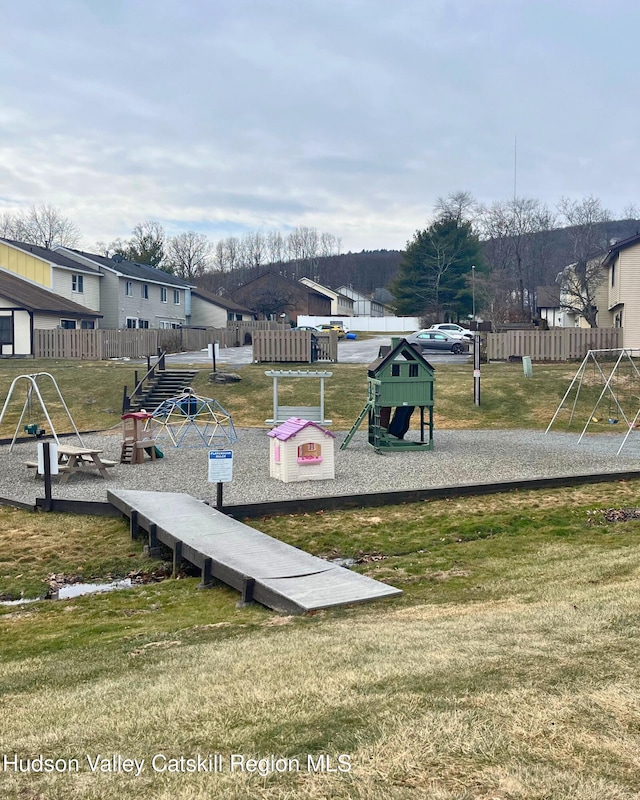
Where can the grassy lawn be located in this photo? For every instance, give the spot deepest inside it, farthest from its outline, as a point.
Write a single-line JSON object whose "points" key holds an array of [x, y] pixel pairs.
{"points": [[508, 669], [93, 393]]}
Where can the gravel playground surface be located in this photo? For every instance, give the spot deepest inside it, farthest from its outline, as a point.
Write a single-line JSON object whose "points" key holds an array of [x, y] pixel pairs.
{"points": [[459, 457]]}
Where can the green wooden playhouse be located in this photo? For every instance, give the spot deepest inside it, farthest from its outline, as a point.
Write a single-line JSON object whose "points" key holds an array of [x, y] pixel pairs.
{"points": [[399, 381]]}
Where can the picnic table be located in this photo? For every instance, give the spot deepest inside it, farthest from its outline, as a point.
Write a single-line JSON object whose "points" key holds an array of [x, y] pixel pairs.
{"points": [[78, 459]]}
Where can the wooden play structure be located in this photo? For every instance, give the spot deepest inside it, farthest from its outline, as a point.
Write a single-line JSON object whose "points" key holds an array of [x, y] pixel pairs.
{"points": [[136, 441], [283, 413], [401, 379], [33, 391], [301, 450]]}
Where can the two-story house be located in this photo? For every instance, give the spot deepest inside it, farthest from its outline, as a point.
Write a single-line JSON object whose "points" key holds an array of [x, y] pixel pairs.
{"points": [[136, 295], [209, 310], [622, 267], [57, 273]]}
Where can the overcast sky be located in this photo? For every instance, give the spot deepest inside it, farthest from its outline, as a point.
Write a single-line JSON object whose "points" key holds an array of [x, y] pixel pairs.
{"points": [[351, 116]]}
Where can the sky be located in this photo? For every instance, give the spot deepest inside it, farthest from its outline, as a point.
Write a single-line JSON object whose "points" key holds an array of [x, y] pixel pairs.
{"points": [[350, 116]]}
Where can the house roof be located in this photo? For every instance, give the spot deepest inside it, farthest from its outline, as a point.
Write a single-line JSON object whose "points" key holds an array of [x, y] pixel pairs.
{"points": [[276, 275], [218, 300], [34, 298], [548, 297], [388, 353], [326, 290], [52, 256], [132, 269], [293, 426], [618, 246]]}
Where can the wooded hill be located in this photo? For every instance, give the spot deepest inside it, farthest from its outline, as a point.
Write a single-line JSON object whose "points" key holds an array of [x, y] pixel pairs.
{"points": [[546, 253]]}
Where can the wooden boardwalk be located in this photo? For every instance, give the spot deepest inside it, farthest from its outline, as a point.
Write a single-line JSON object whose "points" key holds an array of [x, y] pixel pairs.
{"points": [[263, 569]]}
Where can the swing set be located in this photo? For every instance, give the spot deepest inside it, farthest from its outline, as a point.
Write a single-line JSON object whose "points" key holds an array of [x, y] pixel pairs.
{"points": [[35, 429], [616, 374]]}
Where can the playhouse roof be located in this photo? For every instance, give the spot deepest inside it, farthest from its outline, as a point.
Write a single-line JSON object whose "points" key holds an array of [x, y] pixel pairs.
{"points": [[388, 353], [293, 426]]}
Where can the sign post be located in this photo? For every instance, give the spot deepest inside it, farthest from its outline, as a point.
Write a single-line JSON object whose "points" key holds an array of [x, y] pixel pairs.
{"points": [[220, 471], [476, 369], [47, 466]]}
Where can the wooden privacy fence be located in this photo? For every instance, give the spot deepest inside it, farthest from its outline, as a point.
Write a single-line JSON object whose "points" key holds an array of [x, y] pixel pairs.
{"points": [[103, 343], [558, 344], [294, 346]]}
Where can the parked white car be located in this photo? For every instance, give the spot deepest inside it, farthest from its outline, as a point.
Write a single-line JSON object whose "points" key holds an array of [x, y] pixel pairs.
{"points": [[457, 331]]}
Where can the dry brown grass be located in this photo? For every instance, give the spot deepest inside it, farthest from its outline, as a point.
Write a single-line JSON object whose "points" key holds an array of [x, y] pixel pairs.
{"points": [[510, 699]]}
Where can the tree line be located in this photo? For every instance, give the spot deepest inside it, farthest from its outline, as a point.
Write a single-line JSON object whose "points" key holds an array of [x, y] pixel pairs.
{"points": [[489, 260]]}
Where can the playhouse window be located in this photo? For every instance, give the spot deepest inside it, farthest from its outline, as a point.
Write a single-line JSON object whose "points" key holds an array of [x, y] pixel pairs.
{"points": [[310, 453], [395, 370], [276, 453], [413, 370]]}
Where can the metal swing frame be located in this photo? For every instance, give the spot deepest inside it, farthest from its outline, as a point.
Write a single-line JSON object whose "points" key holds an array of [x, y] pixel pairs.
{"points": [[34, 389]]}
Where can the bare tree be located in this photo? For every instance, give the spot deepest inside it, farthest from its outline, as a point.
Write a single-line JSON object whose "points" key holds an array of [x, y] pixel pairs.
{"points": [[459, 205], [189, 254], [586, 226], [44, 226]]}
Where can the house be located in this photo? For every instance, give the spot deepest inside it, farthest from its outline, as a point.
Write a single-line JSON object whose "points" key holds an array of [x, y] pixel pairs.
{"points": [[363, 305], [622, 281], [301, 450], [341, 305], [548, 306], [53, 271], [272, 295], [209, 310], [136, 295], [26, 306]]}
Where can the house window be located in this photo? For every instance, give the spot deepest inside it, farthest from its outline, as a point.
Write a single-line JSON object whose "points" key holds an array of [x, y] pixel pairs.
{"points": [[176, 297], [613, 274], [143, 323], [144, 289], [163, 294], [68, 324], [310, 453], [87, 324], [77, 283], [173, 325], [6, 330], [132, 322], [128, 288]]}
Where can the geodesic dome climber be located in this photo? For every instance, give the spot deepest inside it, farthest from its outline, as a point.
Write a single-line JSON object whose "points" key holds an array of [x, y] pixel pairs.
{"points": [[189, 420]]}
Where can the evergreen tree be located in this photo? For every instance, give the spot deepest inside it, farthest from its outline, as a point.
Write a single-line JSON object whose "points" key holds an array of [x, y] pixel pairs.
{"points": [[434, 276]]}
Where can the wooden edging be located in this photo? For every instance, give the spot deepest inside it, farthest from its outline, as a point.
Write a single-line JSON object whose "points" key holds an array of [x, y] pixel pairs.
{"points": [[348, 501]]}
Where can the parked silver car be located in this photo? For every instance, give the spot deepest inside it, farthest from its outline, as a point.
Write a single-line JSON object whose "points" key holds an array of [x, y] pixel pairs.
{"points": [[429, 339]]}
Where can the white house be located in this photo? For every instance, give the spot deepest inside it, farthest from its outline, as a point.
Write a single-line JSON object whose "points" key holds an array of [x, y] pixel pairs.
{"points": [[363, 306], [211, 310]]}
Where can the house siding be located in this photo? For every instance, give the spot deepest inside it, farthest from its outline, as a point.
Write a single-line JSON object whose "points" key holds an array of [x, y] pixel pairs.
{"points": [[111, 302], [63, 285], [629, 274], [25, 265], [207, 315]]}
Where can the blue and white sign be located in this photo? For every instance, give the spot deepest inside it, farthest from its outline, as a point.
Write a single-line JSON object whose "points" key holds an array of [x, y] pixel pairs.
{"points": [[220, 466]]}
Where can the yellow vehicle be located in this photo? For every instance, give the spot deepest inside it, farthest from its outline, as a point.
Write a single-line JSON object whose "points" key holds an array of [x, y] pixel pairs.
{"points": [[338, 328]]}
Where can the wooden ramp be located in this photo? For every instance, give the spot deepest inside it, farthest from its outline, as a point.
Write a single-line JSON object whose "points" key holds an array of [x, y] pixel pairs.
{"points": [[264, 569]]}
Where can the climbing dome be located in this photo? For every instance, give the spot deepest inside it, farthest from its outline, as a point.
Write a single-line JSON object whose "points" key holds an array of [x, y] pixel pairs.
{"points": [[192, 421]]}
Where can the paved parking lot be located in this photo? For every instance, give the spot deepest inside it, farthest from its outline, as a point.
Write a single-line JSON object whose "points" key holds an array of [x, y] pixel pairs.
{"points": [[350, 351]]}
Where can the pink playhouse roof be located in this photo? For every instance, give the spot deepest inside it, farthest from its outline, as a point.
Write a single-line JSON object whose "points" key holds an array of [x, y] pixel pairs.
{"points": [[293, 426]]}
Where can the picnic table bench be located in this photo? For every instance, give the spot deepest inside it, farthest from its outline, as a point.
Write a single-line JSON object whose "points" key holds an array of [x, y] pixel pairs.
{"points": [[77, 459]]}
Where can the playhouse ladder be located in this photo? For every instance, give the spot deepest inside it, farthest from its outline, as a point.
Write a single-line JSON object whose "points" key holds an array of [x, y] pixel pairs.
{"points": [[356, 424]]}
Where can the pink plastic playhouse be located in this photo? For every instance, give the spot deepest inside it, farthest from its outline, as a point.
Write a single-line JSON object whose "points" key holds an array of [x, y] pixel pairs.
{"points": [[301, 450]]}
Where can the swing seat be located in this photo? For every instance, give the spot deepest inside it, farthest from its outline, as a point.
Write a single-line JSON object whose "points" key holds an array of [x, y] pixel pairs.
{"points": [[33, 429]]}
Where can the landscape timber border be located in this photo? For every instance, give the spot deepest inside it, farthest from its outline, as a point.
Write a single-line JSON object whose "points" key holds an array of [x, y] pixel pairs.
{"points": [[350, 501]]}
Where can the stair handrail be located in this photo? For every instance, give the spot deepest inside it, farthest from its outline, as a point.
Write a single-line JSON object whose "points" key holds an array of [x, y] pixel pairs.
{"points": [[150, 374]]}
